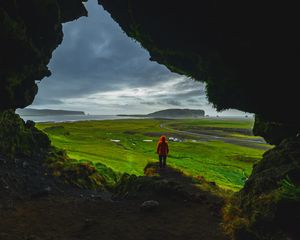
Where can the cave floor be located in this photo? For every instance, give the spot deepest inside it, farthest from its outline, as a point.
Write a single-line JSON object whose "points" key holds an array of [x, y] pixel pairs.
{"points": [[28, 212], [82, 218]]}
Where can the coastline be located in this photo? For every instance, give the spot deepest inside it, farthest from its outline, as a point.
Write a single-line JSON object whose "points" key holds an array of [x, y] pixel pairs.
{"points": [[76, 118], [72, 118]]}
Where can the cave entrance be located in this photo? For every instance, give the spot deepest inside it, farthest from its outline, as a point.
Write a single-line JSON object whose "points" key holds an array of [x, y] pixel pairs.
{"points": [[98, 70]]}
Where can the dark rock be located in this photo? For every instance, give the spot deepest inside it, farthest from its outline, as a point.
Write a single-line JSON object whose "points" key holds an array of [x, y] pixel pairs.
{"points": [[30, 124], [201, 198], [18, 139], [32, 237], [227, 48], [177, 113], [29, 32], [149, 205], [222, 44], [41, 193], [212, 184], [272, 208], [25, 164], [87, 221], [274, 132]]}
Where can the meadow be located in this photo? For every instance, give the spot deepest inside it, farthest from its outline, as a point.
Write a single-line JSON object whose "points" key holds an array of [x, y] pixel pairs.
{"points": [[220, 150]]}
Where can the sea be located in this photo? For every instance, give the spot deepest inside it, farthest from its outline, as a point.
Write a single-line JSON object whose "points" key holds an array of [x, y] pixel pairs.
{"points": [[72, 118]]}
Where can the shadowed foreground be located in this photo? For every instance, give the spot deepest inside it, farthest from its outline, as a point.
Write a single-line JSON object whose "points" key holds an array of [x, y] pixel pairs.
{"points": [[74, 213]]}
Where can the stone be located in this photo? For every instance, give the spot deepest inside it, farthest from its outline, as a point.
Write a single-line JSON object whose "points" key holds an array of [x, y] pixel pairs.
{"points": [[149, 205], [263, 200], [30, 124], [25, 164]]}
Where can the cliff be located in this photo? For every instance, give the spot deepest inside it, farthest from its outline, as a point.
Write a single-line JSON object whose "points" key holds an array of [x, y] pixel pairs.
{"points": [[177, 113], [170, 113], [45, 112]]}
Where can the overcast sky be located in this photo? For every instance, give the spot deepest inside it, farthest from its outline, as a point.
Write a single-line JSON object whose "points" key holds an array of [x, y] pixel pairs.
{"points": [[99, 70]]}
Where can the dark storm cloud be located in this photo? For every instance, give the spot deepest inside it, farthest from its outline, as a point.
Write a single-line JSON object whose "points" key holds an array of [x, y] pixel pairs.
{"points": [[96, 56], [42, 101], [172, 102], [98, 69], [149, 103]]}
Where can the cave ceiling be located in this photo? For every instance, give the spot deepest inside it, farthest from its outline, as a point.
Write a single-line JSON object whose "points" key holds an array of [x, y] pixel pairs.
{"points": [[246, 52]]}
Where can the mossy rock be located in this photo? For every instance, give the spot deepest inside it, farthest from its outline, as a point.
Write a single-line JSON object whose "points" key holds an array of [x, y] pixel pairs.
{"points": [[18, 138], [270, 200]]}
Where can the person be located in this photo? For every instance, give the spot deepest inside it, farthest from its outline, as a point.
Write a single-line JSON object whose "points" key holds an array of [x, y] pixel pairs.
{"points": [[162, 150]]}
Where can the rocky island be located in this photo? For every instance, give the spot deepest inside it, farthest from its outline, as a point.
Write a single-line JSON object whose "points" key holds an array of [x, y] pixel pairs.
{"points": [[171, 113]]}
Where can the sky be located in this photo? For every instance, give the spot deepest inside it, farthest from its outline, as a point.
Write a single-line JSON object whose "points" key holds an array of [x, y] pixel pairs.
{"points": [[98, 69]]}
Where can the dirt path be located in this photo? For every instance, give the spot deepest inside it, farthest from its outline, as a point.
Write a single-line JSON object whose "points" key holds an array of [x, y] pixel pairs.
{"points": [[253, 143]]}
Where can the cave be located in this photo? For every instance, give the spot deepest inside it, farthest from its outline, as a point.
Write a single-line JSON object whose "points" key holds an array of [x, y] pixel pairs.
{"points": [[246, 53]]}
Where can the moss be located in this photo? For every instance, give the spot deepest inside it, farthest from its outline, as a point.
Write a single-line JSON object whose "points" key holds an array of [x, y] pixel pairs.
{"points": [[268, 206], [20, 139], [289, 190], [83, 174]]}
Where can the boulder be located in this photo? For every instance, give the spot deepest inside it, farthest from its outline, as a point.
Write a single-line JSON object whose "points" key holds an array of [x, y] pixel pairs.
{"points": [[270, 199], [149, 205], [20, 139]]}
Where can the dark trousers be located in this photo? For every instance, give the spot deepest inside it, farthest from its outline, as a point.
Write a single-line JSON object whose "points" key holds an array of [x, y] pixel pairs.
{"points": [[162, 160]]}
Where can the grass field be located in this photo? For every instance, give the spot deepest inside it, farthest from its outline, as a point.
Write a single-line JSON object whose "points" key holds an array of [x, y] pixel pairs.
{"points": [[128, 145]]}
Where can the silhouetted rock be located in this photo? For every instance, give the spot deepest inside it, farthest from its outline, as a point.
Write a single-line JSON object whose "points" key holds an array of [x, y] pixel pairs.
{"points": [[149, 205], [271, 196], [29, 32], [177, 113], [274, 132], [20, 139]]}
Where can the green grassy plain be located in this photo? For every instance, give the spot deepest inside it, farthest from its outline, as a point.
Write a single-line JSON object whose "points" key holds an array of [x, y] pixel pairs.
{"points": [[225, 163]]}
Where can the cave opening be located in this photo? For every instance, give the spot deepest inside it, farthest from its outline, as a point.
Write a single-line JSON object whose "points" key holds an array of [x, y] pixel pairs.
{"points": [[100, 70], [99, 73], [215, 164]]}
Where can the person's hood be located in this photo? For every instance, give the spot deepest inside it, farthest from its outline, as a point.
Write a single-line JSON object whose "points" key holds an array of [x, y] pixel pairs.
{"points": [[162, 138]]}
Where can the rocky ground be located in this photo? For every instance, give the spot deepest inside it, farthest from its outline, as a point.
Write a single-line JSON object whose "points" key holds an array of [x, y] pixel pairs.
{"points": [[35, 205]]}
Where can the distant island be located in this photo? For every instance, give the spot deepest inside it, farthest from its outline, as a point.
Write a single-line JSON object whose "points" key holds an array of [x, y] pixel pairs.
{"points": [[170, 113], [46, 112]]}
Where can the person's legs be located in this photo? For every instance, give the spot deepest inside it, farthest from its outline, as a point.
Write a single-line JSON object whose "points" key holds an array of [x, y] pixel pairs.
{"points": [[164, 161], [160, 157]]}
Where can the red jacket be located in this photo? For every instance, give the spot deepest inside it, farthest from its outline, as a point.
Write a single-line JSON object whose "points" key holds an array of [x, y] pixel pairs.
{"points": [[162, 146]]}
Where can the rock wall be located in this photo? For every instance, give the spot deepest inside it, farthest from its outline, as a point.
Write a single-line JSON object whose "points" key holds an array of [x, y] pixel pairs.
{"points": [[29, 32], [244, 51], [270, 199], [20, 139]]}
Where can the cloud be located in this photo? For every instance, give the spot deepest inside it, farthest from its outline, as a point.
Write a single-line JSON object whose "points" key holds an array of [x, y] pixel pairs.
{"points": [[42, 101], [98, 69], [172, 102]]}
